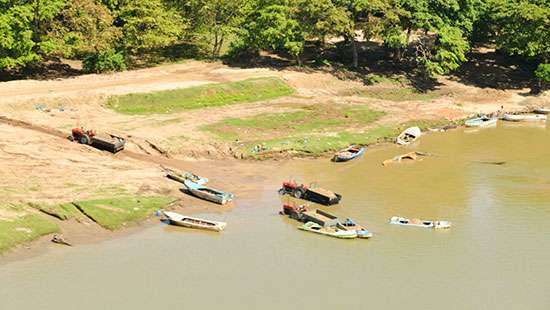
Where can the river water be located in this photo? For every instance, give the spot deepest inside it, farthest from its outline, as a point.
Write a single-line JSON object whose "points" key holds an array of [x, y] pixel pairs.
{"points": [[496, 256]]}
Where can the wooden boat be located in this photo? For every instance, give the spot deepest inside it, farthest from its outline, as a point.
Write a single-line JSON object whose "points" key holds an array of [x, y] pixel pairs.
{"points": [[396, 220], [181, 177], [523, 117], [350, 225], [542, 110], [193, 222], [349, 153], [482, 121], [400, 158], [409, 135], [208, 193], [332, 231]]}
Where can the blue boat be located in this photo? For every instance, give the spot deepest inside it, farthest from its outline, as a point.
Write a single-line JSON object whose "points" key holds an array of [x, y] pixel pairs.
{"points": [[208, 193], [349, 153], [482, 121]]}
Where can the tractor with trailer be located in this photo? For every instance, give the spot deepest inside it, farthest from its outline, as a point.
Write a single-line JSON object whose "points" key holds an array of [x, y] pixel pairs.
{"points": [[106, 142]]}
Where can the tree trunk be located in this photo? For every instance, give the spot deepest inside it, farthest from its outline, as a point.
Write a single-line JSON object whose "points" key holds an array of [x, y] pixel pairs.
{"points": [[220, 45], [355, 62], [215, 47]]}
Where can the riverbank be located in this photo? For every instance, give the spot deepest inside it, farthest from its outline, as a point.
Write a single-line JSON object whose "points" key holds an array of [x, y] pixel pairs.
{"points": [[212, 113]]}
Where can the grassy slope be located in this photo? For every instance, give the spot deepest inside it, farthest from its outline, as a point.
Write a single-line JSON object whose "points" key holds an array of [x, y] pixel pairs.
{"points": [[24, 229], [115, 213], [211, 95], [315, 129]]}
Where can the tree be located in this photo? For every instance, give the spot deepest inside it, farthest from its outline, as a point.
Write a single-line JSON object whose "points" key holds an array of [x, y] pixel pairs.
{"points": [[148, 24], [84, 27]]}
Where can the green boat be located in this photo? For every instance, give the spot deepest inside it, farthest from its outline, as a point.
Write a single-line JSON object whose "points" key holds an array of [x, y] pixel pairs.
{"points": [[332, 231]]}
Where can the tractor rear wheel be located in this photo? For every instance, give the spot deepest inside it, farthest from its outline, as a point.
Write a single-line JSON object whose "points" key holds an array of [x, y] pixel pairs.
{"points": [[84, 139], [298, 193]]}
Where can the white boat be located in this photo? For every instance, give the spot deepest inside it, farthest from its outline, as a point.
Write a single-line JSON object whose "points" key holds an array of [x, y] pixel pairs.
{"points": [[409, 135], [193, 222], [542, 110], [331, 231], [482, 121], [523, 117], [397, 220]]}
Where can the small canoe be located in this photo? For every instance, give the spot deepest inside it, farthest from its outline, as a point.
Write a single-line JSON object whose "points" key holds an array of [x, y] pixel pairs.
{"points": [[350, 225], [193, 222], [349, 153], [409, 135], [542, 110], [483, 121], [396, 220], [332, 231], [208, 193], [523, 117]]}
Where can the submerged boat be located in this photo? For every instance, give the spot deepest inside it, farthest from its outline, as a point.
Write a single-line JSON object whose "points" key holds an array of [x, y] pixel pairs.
{"points": [[331, 231], [397, 220], [349, 153], [193, 222], [208, 193], [524, 117], [409, 135], [542, 110], [399, 158], [482, 121]]}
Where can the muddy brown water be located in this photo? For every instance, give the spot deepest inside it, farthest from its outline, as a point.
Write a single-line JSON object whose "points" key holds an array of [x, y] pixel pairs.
{"points": [[496, 256]]}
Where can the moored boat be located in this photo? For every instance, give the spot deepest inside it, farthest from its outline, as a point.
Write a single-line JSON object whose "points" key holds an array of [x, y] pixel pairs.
{"points": [[482, 121], [193, 222], [331, 231], [350, 225], [409, 135], [524, 117], [208, 193], [397, 220], [349, 153], [542, 110]]}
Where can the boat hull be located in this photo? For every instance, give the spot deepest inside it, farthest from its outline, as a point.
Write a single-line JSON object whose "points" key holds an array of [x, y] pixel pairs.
{"points": [[207, 193], [524, 117], [195, 223], [481, 122], [341, 157], [340, 234]]}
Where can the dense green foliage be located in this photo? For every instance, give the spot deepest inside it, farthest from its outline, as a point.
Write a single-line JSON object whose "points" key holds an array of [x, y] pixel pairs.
{"points": [[433, 35]]}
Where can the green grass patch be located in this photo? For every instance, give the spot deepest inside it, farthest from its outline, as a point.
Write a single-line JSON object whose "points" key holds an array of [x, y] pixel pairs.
{"points": [[310, 120], [398, 94], [24, 229], [211, 95], [63, 212], [114, 213]]}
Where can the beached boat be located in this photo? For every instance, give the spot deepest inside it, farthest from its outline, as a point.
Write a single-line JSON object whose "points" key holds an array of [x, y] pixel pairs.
{"points": [[181, 177], [332, 231], [208, 193], [193, 222], [350, 225], [349, 153], [524, 117], [482, 121], [542, 110], [397, 220], [409, 135]]}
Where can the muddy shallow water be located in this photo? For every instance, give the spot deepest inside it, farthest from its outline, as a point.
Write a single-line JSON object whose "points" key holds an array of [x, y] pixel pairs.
{"points": [[495, 256]]}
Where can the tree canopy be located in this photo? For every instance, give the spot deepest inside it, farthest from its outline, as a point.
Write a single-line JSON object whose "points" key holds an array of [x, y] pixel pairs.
{"points": [[436, 35]]}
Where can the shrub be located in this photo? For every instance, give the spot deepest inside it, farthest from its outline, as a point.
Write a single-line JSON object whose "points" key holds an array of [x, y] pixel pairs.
{"points": [[104, 61], [543, 72]]}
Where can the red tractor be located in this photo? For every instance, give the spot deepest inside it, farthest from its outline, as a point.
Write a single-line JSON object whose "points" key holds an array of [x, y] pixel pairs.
{"points": [[109, 142], [311, 193]]}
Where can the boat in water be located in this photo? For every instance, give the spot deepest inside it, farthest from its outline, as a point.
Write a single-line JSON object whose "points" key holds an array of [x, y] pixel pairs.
{"points": [[193, 222], [397, 220], [482, 121], [524, 117], [542, 110], [349, 153], [409, 135], [332, 231], [350, 225], [208, 193]]}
